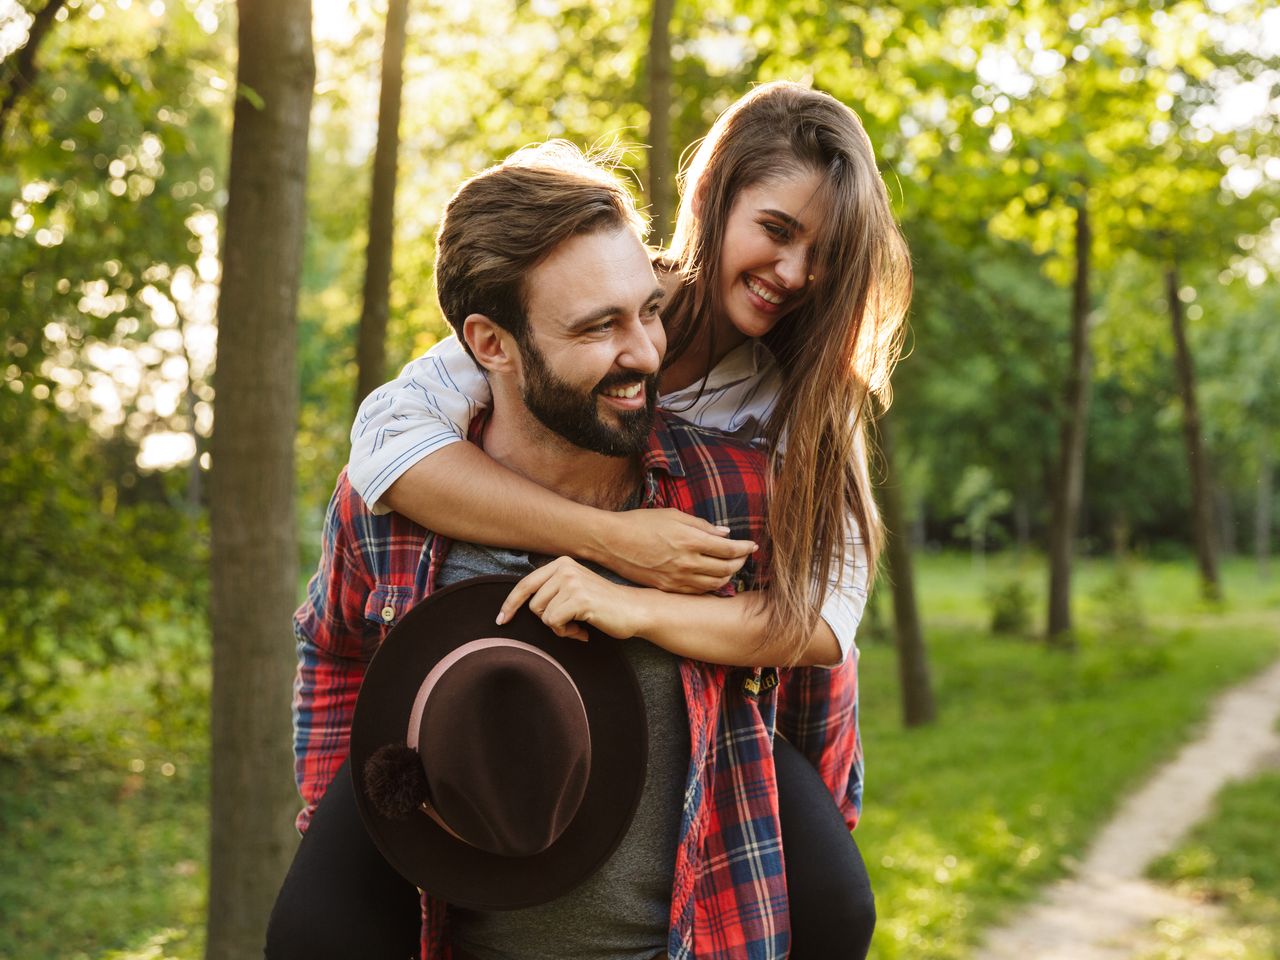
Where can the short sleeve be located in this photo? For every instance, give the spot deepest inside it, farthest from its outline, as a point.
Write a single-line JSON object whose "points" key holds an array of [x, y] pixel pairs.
{"points": [[427, 407]]}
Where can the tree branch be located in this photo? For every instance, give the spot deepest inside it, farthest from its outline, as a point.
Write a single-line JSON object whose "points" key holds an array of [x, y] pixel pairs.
{"points": [[23, 72]]}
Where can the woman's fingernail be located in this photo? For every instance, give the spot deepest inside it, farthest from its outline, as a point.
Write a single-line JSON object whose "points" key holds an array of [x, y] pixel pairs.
{"points": [[502, 618]]}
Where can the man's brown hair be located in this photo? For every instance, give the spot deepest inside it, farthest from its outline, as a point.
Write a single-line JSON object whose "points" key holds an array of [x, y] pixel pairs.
{"points": [[507, 219]]}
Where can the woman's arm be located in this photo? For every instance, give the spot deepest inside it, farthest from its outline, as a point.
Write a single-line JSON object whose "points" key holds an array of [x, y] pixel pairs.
{"points": [[405, 456], [728, 630], [465, 494]]}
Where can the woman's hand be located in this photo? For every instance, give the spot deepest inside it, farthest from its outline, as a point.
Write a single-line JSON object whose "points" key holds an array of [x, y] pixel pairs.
{"points": [[670, 550], [565, 595]]}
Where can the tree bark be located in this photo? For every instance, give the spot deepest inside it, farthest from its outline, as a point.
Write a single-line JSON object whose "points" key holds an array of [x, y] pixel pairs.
{"points": [[371, 348], [1069, 484], [254, 553], [1197, 464], [23, 72], [1262, 507], [918, 705], [661, 165]]}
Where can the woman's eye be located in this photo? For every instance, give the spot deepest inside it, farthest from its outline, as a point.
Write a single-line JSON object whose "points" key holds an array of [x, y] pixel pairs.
{"points": [[776, 231]]}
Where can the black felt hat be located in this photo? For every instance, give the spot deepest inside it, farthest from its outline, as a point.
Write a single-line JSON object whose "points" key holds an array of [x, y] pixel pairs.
{"points": [[496, 767]]}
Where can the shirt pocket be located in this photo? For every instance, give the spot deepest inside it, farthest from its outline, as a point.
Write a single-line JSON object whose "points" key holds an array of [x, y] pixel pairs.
{"points": [[386, 606]]}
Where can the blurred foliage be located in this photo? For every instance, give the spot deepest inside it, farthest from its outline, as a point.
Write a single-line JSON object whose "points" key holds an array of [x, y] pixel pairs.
{"points": [[109, 181], [1011, 603], [106, 799], [990, 120], [100, 565]]}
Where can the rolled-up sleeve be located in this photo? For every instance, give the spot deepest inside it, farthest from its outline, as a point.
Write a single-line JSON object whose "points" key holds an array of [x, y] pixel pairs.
{"points": [[335, 642]]}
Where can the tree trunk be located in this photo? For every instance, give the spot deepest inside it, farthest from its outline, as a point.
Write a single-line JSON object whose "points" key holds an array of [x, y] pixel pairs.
{"points": [[254, 553], [1197, 465], [22, 71], [918, 706], [371, 349], [1262, 507], [1069, 482], [661, 174]]}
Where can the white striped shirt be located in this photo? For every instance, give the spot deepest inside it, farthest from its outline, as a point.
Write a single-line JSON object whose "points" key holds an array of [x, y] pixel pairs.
{"points": [[432, 402]]}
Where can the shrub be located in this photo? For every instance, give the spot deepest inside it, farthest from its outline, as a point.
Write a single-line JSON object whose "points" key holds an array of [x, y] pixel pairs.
{"points": [[1011, 604]]}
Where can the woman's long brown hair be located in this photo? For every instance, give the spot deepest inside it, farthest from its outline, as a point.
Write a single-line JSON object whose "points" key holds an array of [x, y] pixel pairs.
{"points": [[836, 349]]}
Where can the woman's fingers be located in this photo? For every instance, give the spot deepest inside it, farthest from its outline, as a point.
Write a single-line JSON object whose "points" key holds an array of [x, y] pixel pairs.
{"points": [[561, 614], [555, 595], [523, 590]]}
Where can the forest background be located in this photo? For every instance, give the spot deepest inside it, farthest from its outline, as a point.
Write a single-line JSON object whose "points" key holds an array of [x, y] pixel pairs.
{"points": [[1092, 196]]}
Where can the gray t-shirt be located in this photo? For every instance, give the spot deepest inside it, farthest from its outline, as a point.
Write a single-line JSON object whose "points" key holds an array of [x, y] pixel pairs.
{"points": [[621, 912]]}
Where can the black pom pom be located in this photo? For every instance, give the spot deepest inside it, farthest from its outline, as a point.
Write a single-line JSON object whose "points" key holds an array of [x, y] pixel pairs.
{"points": [[395, 782]]}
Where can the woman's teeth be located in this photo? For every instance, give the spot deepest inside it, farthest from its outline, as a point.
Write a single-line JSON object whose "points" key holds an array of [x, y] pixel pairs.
{"points": [[624, 393], [764, 294]]}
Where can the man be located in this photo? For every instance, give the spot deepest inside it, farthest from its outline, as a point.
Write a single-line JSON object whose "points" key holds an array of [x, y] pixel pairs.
{"points": [[542, 274]]}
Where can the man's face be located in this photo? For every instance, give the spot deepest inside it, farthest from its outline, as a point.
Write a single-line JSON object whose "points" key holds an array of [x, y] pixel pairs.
{"points": [[595, 342]]}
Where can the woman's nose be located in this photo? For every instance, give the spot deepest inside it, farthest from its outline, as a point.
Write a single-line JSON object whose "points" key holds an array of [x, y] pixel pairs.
{"points": [[793, 268]]}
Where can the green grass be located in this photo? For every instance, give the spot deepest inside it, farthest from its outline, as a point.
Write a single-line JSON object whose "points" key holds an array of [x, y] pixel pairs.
{"points": [[102, 851], [105, 835], [1229, 860], [1033, 749]]}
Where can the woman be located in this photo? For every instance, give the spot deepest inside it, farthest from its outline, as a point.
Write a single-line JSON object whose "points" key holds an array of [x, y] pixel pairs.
{"points": [[789, 282]]}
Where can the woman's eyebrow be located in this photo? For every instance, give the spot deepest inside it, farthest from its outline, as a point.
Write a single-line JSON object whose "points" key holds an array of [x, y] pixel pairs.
{"points": [[786, 218]]}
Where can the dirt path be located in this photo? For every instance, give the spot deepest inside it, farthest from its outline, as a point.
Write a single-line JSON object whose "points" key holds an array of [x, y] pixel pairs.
{"points": [[1107, 910]]}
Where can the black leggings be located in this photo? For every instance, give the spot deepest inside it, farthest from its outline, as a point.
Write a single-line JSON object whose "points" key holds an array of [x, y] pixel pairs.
{"points": [[341, 899], [833, 911]]}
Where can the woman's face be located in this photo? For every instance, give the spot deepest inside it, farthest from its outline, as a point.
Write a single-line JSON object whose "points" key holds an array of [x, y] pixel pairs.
{"points": [[766, 260]]}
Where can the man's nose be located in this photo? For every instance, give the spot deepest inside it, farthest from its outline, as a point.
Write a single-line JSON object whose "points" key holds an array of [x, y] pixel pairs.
{"points": [[641, 352]]}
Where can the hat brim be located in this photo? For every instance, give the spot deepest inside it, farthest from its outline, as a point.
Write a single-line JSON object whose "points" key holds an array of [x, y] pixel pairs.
{"points": [[426, 854]]}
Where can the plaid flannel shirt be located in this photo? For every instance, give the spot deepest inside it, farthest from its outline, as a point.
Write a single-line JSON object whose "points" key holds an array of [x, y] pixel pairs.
{"points": [[728, 896]]}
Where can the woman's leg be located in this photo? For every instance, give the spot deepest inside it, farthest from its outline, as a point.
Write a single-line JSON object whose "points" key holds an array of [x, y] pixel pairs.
{"points": [[833, 911], [341, 899]]}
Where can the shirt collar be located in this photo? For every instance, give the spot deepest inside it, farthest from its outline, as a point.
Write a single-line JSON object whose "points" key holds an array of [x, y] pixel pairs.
{"points": [[663, 454], [746, 360]]}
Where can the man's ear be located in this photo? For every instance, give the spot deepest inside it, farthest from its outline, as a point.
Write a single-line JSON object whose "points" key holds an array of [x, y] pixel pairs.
{"points": [[493, 347]]}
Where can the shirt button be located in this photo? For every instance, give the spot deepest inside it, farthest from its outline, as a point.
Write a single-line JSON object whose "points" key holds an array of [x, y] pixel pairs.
{"points": [[388, 613]]}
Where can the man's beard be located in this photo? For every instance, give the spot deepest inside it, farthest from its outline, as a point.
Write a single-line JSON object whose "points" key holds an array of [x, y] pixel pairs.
{"points": [[573, 414]]}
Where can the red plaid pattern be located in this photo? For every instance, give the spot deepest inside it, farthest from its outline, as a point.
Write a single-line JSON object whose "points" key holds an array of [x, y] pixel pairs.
{"points": [[729, 894]]}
